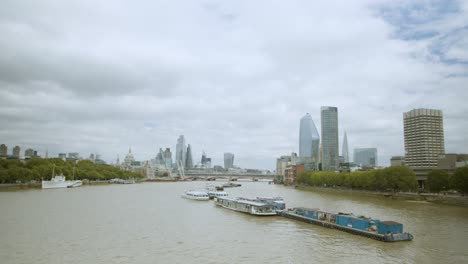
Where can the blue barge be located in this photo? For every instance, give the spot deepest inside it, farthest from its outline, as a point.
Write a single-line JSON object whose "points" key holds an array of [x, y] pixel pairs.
{"points": [[387, 231]]}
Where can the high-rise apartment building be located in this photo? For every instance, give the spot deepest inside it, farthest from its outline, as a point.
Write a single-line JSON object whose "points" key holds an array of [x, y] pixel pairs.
{"points": [[424, 138], [3, 150], [344, 150], [365, 157], [329, 121], [228, 160], [16, 152], [309, 139]]}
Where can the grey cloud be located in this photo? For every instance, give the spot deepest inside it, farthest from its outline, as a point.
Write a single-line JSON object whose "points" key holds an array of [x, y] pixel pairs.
{"points": [[230, 76]]}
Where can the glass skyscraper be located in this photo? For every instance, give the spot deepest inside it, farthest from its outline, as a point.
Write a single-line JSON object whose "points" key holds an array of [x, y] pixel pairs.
{"points": [[365, 156], [309, 139], [228, 160], [344, 150], [329, 121], [181, 151]]}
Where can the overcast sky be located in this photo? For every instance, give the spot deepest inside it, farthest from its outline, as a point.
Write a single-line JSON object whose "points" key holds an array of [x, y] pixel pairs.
{"points": [[232, 76]]}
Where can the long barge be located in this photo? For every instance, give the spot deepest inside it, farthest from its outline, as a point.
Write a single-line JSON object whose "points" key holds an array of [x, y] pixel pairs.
{"points": [[386, 231], [259, 206]]}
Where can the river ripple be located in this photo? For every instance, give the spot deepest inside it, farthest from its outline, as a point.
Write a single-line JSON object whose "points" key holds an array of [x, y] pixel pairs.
{"points": [[150, 223]]}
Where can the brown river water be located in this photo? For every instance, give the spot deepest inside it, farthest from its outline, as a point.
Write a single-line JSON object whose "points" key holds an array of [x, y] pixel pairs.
{"points": [[151, 223]]}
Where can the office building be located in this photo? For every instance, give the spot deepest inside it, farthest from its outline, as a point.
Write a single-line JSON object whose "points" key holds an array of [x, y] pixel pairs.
{"points": [[205, 161], [424, 138], [189, 160], [397, 161], [28, 153], [365, 157], [16, 152], [452, 161], [168, 158], [181, 151], [228, 160], [3, 150], [330, 148], [309, 140]]}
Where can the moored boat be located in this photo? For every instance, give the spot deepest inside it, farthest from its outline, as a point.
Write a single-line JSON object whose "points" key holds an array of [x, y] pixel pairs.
{"points": [[249, 206], [231, 184], [196, 195], [59, 181], [387, 231], [278, 202], [214, 193]]}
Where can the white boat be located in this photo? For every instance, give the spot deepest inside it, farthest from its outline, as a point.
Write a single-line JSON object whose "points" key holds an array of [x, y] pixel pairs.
{"points": [[214, 193], [59, 181], [196, 195], [248, 206]]}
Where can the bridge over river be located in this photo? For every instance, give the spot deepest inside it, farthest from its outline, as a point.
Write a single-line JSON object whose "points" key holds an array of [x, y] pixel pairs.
{"points": [[230, 175]]}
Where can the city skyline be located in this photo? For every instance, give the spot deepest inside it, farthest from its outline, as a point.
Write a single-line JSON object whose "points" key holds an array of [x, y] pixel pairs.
{"points": [[228, 76]]}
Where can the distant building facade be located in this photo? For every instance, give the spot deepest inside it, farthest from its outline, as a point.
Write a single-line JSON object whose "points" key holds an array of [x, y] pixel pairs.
{"points": [[3, 151], [292, 172], [189, 159], [181, 151], [205, 161], [365, 157], [168, 158], [344, 150], [16, 152], [330, 148], [73, 156], [397, 161], [129, 160], [283, 162], [309, 140], [424, 138], [228, 160], [29, 153], [451, 161]]}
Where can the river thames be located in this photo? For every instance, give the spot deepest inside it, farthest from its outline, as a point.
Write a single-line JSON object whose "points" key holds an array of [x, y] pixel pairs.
{"points": [[151, 223]]}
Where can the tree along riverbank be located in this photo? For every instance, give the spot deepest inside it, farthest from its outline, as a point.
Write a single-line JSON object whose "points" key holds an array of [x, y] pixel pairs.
{"points": [[36, 169], [445, 199], [391, 179]]}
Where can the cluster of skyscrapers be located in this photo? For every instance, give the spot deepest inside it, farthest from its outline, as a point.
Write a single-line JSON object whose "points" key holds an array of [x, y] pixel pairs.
{"points": [[184, 158], [423, 137], [321, 151], [15, 152]]}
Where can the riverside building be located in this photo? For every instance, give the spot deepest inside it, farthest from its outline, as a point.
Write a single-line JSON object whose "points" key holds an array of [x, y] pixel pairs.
{"points": [[424, 138]]}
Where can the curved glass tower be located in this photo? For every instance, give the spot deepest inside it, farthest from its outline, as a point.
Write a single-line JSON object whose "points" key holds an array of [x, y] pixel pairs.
{"points": [[309, 139]]}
